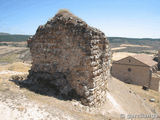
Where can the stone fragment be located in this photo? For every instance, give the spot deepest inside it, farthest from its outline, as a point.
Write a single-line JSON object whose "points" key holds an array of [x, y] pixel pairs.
{"points": [[152, 100]]}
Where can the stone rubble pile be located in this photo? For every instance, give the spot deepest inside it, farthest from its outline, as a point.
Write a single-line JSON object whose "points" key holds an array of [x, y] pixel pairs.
{"points": [[72, 56]]}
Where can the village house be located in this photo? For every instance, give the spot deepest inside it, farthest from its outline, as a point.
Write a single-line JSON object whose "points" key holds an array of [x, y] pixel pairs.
{"points": [[140, 70]]}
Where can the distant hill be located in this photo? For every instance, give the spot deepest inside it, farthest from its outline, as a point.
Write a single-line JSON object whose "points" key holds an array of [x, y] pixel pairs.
{"points": [[154, 44], [115, 41], [2, 33], [6, 37], [130, 40]]}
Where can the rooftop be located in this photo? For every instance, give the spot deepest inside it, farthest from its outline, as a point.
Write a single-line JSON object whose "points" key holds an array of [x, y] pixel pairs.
{"points": [[146, 59]]}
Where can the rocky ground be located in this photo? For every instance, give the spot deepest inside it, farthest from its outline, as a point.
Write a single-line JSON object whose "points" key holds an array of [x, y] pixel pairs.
{"points": [[18, 101]]}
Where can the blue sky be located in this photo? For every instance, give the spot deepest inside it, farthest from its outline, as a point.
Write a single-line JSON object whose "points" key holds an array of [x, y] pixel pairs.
{"points": [[123, 18]]}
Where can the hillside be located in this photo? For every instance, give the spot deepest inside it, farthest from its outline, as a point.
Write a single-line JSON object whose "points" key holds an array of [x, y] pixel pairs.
{"points": [[135, 45], [130, 40], [119, 44], [6, 37], [3, 33]]}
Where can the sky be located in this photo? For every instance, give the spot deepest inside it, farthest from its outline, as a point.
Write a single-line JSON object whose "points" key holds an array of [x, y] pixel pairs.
{"points": [[118, 18]]}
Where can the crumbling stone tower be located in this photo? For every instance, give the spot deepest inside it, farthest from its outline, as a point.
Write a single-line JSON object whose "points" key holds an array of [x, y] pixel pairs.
{"points": [[72, 56]]}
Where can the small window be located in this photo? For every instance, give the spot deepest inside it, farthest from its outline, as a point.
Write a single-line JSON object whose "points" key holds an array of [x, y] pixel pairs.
{"points": [[129, 60], [129, 69]]}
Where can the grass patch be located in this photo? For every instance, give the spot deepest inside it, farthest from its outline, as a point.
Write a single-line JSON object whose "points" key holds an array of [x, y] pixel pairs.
{"points": [[63, 11], [10, 58]]}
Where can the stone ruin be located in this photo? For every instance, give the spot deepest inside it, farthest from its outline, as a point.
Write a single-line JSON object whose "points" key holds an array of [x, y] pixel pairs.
{"points": [[72, 56], [157, 59]]}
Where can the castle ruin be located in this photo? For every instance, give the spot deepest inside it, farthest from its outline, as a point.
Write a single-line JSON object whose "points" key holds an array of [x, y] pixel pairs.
{"points": [[73, 56]]}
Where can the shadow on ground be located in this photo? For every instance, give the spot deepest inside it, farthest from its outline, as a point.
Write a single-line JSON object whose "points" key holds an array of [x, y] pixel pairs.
{"points": [[43, 88]]}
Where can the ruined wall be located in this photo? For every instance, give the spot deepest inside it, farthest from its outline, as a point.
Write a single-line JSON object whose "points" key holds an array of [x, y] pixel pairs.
{"points": [[155, 82], [71, 55]]}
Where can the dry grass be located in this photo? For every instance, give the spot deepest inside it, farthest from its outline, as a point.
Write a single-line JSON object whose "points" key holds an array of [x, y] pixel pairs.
{"points": [[63, 11], [10, 54], [17, 66], [120, 55], [118, 48], [132, 45], [67, 13], [9, 58]]}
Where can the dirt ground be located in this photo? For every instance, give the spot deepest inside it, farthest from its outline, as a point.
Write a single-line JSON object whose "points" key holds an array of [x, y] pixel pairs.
{"points": [[14, 52], [147, 95], [120, 55], [17, 102], [131, 45]]}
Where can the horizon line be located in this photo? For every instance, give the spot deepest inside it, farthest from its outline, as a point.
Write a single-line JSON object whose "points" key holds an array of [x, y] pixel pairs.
{"points": [[106, 36]]}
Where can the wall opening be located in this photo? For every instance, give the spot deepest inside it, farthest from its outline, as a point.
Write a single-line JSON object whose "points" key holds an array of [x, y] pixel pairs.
{"points": [[129, 69], [129, 60]]}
